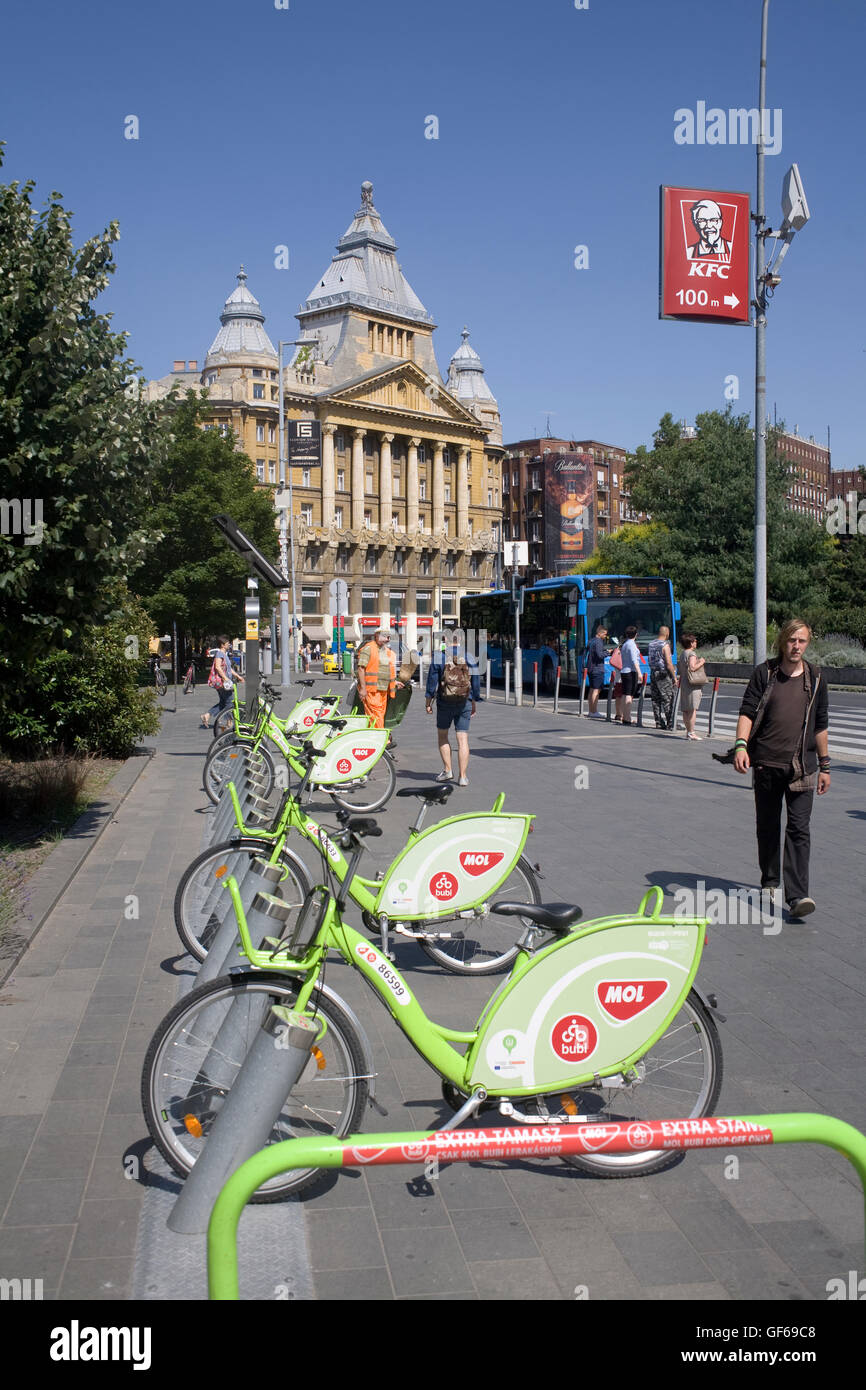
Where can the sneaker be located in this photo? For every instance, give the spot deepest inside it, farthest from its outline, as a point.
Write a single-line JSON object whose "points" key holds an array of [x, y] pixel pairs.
{"points": [[596, 716], [696, 738], [463, 781], [801, 907], [444, 777]]}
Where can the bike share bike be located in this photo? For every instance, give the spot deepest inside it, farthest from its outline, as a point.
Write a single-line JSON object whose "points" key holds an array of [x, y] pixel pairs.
{"points": [[603, 1024]]}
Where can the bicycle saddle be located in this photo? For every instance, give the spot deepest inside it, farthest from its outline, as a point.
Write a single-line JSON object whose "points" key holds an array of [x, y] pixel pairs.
{"points": [[303, 682], [310, 752], [335, 721], [432, 795], [555, 917]]}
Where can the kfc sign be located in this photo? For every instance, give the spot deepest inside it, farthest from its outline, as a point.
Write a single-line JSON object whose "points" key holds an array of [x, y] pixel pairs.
{"points": [[705, 238]]}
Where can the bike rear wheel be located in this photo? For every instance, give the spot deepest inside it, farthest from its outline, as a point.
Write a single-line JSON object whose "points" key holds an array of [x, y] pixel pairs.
{"points": [[199, 906], [161, 683], [196, 1054], [487, 944], [368, 793], [682, 1080]]}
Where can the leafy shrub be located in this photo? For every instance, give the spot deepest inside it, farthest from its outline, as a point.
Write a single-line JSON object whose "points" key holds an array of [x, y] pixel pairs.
{"points": [[82, 698], [712, 624]]}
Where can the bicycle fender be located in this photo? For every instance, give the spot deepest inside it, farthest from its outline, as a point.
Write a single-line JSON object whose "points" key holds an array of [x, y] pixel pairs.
{"points": [[710, 1003]]}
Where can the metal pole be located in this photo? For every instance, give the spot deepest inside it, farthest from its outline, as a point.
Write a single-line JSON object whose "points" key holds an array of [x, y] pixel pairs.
{"points": [[534, 684], [760, 595], [507, 680], [487, 682], [713, 707], [582, 692], [642, 679], [285, 666], [518, 662], [556, 691]]}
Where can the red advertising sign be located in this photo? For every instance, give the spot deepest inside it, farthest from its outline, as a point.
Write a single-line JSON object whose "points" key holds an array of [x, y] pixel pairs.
{"points": [[704, 255]]}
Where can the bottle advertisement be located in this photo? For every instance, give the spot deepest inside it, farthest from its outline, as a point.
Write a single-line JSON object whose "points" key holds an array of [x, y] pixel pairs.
{"points": [[569, 517]]}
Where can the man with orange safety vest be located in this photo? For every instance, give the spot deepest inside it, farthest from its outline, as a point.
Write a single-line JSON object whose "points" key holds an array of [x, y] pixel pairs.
{"points": [[377, 677]]}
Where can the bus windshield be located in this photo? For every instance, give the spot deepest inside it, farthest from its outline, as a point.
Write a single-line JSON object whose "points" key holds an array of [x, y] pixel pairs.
{"points": [[647, 615]]}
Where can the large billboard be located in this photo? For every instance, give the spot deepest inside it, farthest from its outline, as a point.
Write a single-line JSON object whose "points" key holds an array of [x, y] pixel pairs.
{"points": [[704, 255], [569, 510]]}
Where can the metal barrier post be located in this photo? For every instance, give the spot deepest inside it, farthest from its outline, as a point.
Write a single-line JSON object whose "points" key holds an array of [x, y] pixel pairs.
{"points": [[468, 1145], [507, 679], [640, 701], [487, 682], [556, 691], [534, 684], [675, 709], [713, 707], [582, 693], [610, 697]]}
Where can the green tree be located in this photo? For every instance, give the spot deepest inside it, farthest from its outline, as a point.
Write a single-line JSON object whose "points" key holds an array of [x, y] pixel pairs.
{"points": [[191, 576], [77, 445], [699, 493]]}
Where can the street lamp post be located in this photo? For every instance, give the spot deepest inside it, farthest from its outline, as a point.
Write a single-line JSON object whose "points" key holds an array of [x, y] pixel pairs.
{"points": [[288, 644]]}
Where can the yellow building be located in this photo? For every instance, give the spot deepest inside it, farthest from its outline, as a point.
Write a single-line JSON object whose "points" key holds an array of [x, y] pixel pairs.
{"points": [[407, 504]]}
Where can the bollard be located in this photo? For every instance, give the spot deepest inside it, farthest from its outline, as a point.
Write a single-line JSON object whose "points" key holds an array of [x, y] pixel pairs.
{"points": [[675, 709], [223, 951], [270, 1070], [556, 691], [713, 707], [582, 693], [534, 684], [487, 682], [507, 679], [610, 686], [640, 701]]}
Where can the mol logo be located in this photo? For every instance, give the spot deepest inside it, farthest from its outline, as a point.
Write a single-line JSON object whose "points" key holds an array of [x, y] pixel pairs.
{"points": [[625, 999], [574, 1038], [443, 886], [362, 753], [477, 862], [344, 765]]}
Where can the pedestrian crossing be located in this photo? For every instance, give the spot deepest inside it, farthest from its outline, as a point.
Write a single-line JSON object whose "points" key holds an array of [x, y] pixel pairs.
{"points": [[847, 729]]}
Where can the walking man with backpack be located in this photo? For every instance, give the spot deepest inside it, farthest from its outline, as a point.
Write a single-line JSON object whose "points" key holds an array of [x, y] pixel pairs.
{"points": [[456, 688]]}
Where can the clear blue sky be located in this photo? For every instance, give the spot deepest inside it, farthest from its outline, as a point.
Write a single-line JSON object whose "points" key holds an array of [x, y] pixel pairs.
{"points": [[258, 125]]}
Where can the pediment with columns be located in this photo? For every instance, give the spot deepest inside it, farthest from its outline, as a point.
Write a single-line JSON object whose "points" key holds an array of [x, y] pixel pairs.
{"points": [[406, 389]]}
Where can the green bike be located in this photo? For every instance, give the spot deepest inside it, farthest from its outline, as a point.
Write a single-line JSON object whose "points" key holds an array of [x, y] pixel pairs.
{"points": [[602, 1025]]}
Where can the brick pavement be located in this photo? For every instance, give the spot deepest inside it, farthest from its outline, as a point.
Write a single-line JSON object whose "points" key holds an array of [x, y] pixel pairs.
{"points": [[84, 1001]]}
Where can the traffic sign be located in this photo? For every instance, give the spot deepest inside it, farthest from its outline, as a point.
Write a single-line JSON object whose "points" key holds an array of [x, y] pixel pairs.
{"points": [[338, 590], [704, 255]]}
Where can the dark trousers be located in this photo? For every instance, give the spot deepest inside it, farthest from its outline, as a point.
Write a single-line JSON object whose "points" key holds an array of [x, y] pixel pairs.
{"points": [[662, 696], [771, 790]]}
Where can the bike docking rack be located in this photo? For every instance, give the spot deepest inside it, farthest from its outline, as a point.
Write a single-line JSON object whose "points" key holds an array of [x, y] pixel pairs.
{"points": [[474, 1146]]}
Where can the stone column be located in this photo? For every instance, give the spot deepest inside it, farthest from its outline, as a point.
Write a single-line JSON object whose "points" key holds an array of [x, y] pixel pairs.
{"points": [[412, 488], [463, 494], [328, 474], [438, 488], [385, 497], [358, 479]]}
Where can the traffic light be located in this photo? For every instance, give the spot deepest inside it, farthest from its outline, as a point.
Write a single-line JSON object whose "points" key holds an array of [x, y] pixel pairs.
{"points": [[518, 584]]}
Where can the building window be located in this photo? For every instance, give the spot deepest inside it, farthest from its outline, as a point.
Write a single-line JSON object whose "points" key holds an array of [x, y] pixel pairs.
{"points": [[369, 483], [341, 480], [224, 429], [257, 371], [305, 477], [399, 562], [422, 489], [274, 394], [342, 558], [314, 558], [489, 498], [447, 492], [396, 484], [260, 470], [310, 601], [272, 434], [473, 566], [395, 520], [422, 453], [449, 608], [339, 441], [272, 472], [422, 605], [450, 566], [258, 393], [469, 525], [371, 562], [397, 604], [368, 445], [616, 480], [446, 457], [338, 516], [424, 563], [369, 603], [307, 513], [260, 434], [368, 519]]}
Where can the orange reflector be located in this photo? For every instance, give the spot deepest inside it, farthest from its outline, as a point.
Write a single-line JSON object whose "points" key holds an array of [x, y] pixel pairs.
{"points": [[320, 1059], [193, 1126], [218, 873], [568, 1105]]}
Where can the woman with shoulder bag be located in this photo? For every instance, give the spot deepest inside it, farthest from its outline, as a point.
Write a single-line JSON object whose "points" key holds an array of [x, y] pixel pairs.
{"points": [[693, 678], [222, 679]]}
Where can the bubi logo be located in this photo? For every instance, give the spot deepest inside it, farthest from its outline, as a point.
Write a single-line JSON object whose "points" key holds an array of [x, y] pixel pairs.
{"points": [[443, 886], [574, 1038], [477, 862], [309, 721], [343, 765], [625, 999], [362, 753]]}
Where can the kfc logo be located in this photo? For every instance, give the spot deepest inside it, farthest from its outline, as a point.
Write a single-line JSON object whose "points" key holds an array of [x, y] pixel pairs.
{"points": [[574, 1038], [477, 862], [625, 999], [443, 886]]}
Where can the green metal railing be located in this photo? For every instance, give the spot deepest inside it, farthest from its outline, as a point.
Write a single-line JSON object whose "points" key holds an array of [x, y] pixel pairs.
{"points": [[469, 1145]]}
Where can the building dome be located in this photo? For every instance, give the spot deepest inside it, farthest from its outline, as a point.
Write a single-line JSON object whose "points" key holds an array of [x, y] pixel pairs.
{"points": [[466, 374], [242, 333]]}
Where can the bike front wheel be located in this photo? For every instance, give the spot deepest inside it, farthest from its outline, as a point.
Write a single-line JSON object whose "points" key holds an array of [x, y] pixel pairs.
{"points": [[228, 765], [161, 683], [486, 944], [681, 1079], [196, 1054], [200, 904], [370, 792]]}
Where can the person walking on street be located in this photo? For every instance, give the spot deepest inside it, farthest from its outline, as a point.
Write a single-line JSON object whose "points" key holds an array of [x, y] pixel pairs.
{"points": [[222, 678], [662, 677], [782, 735], [455, 685], [690, 695], [630, 672], [377, 677], [595, 658]]}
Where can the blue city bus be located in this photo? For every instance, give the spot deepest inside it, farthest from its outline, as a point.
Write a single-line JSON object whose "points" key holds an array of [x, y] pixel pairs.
{"points": [[561, 616]]}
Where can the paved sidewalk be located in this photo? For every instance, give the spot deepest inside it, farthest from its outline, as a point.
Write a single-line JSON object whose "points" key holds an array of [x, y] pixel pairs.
{"points": [[617, 810]]}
